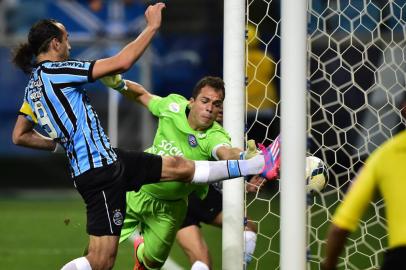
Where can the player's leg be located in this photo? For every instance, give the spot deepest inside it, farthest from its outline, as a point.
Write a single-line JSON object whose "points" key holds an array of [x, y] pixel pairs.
{"points": [[250, 240], [102, 251], [181, 169], [203, 172], [132, 218], [250, 233], [160, 225], [199, 210], [103, 192], [193, 244], [143, 168]]}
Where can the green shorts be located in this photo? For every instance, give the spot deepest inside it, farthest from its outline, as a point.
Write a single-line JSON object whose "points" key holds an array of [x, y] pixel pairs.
{"points": [[158, 221]]}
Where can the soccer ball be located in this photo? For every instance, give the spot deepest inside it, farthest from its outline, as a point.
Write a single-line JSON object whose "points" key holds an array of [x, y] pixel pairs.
{"points": [[316, 174]]}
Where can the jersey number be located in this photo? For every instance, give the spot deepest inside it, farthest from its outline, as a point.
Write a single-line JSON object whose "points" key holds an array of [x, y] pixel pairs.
{"points": [[44, 120]]}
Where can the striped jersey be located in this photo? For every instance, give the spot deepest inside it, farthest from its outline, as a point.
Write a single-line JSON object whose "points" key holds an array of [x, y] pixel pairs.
{"points": [[56, 101]]}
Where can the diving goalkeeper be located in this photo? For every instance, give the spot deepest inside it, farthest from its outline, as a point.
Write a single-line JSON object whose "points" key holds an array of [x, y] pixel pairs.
{"points": [[186, 128]]}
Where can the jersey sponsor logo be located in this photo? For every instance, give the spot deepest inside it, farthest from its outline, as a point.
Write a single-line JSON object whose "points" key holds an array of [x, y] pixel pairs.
{"points": [[174, 107], [38, 83], [192, 140], [36, 95], [68, 64], [167, 148], [117, 217]]}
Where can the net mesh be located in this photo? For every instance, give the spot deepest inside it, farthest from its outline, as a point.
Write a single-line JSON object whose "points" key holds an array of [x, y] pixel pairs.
{"points": [[356, 92]]}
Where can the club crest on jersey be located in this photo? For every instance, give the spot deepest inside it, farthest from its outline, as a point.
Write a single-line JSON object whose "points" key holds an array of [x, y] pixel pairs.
{"points": [[192, 140], [117, 217], [174, 107]]}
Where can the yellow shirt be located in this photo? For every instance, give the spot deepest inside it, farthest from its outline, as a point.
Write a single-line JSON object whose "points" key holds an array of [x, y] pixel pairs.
{"points": [[384, 171]]}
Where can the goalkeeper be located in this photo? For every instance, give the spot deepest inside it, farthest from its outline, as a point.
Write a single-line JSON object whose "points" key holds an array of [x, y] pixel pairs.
{"points": [[186, 128]]}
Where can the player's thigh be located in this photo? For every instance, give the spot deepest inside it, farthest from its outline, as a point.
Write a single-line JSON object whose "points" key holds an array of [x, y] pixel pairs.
{"points": [[131, 221], [140, 205], [102, 189], [159, 230], [191, 240], [140, 168]]}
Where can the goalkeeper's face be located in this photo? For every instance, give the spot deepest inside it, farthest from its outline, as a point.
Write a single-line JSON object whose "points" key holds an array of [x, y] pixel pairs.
{"points": [[205, 109]]}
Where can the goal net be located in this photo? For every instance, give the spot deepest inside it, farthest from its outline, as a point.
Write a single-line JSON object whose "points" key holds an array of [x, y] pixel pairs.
{"points": [[356, 92]]}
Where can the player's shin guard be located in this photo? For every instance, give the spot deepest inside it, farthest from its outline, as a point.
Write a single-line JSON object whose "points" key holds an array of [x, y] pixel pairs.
{"points": [[199, 265], [250, 239], [77, 264]]}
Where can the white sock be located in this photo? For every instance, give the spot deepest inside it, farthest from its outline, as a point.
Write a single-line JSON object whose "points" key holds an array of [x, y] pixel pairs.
{"points": [[250, 239], [77, 264], [199, 265], [214, 171]]}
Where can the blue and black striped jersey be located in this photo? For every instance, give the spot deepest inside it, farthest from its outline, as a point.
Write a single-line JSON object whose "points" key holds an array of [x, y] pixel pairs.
{"points": [[55, 99]]}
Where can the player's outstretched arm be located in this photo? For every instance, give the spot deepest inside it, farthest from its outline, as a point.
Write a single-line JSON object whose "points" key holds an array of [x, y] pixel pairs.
{"points": [[137, 93], [131, 90], [124, 59]]}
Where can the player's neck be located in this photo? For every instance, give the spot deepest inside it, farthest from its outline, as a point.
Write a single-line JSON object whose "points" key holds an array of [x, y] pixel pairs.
{"points": [[49, 56]]}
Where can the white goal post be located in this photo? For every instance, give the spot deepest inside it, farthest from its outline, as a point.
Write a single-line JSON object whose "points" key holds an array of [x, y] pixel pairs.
{"points": [[293, 135], [293, 200], [234, 115]]}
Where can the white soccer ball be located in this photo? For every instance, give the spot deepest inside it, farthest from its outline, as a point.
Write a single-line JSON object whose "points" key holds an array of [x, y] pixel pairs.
{"points": [[316, 174]]}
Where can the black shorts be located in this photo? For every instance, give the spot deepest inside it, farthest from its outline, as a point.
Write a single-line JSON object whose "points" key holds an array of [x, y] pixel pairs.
{"points": [[394, 258], [104, 189], [205, 210]]}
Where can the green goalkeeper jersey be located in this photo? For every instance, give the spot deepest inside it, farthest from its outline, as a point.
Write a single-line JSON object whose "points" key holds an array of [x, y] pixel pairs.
{"points": [[175, 137]]}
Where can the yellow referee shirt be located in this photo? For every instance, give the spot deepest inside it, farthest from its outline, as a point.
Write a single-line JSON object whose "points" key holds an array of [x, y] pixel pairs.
{"points": [[384, 171]]}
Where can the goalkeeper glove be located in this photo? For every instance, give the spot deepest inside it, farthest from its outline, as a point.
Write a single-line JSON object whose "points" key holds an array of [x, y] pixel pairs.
{"points": [[115, 82], [251, 150]]}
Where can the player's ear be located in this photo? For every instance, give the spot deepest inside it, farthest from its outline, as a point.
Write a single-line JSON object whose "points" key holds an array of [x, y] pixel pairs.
{"points": [[54, 44], [191, 101]]}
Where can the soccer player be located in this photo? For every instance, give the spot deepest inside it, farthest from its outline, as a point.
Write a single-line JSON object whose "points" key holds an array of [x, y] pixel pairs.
{"points": [[383, 171], [56, 100], [186, 128]]}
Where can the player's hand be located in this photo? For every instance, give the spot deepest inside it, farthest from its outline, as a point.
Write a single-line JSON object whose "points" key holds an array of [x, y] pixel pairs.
{"points": [[114, 81], [254, 184], [251, 151], [153, 15]]}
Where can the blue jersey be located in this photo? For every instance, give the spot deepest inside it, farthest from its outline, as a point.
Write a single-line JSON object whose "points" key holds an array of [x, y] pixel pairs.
{"points": [[55, 99]]}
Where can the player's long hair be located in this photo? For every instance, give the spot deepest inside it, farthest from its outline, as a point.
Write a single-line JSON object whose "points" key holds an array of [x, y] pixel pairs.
{"points": [[39, 37]]}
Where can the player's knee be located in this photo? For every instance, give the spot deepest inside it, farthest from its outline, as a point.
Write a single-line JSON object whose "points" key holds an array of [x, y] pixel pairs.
{"points": [[182, 169], [152, 264]]}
